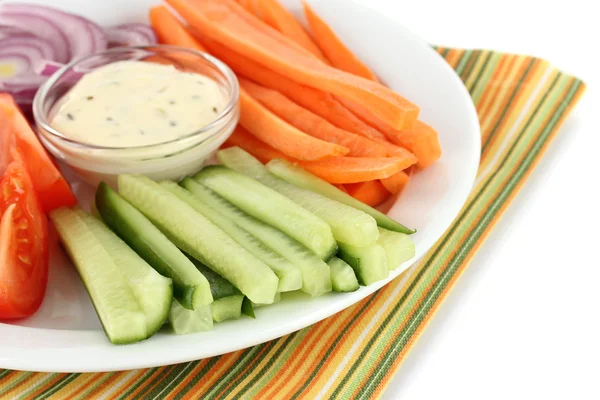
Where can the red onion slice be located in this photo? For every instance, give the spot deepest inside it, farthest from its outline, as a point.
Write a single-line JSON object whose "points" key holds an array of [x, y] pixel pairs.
{"points": [[83, 36], [39, 27], [128, 37], [144, 29], [44, 46]]}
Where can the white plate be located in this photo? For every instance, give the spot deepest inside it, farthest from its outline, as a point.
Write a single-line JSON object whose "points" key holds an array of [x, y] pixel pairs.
{"points": [[65, 335]]}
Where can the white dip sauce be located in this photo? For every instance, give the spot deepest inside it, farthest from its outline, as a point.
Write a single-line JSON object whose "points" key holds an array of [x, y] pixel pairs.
{"points": [[135, 103]]}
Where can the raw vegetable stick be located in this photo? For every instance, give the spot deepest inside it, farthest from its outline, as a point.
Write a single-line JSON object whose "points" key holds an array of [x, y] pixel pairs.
{"points": [[315, 273], [271, 129], [421, 139], [169, 30], [334, 49], [398, 247], [396, 183], [300, 177], [372, 193], [348, 224], [337, 170], [242, 138], [270, 207], [320, 103], [275, 14], [312, 124], [289, 275], [197, 236], [227, 22], [358, 169]]}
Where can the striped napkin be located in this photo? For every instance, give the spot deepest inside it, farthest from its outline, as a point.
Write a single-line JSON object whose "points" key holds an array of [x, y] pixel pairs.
{"points": [[522, 101]]}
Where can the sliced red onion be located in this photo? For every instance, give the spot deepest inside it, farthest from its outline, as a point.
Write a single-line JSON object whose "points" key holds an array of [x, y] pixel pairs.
{"points": [[83, 36], [48, 68], [128, 37], [44, 46], [144, 29], [39, 27]]}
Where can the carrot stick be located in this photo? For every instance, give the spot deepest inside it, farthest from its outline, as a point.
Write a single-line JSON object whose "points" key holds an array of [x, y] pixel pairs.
{"points": [[274, 131], [372, 193], [320, 103], [395, 183], [251, 6], [244, 139], [334, 49], [357, 169], [169, 30], [311, 123], [228, 23], [342, 188], [334, 170], [423, 141], [276, 15]]}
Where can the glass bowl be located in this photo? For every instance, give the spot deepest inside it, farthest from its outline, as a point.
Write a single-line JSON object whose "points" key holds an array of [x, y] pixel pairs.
{"points": [[172, 159]]}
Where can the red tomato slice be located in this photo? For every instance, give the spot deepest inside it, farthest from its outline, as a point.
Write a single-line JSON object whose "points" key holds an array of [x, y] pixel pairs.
{"points": [[51, 186], [23, 243]]}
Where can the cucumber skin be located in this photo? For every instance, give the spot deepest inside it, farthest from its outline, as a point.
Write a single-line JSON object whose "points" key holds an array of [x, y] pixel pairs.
{"points": [[329, 244], [107, 202], [219, 286], [197, 231], [60, 218], [315, 273], [343, 278], [299, 177], [138, 284], [369, 263], [289, 276]]}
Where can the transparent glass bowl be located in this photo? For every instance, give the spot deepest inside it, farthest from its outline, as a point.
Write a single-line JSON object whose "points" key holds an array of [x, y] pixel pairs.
{"points": [[172, 159]]}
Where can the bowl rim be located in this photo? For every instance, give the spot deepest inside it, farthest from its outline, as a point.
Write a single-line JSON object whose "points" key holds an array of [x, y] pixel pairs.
{"points": [[42, 120]]}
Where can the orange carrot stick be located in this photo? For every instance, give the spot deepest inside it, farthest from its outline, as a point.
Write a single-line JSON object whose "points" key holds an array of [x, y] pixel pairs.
{"points": [[342, 188], [357, 169], [334, 49], [320, 103], [334, 170], [228, 23], [372, 193], [396, 183], [244, 139], [421, 139], [274, 131], [169, 30], [276, 15], [311, 123]]}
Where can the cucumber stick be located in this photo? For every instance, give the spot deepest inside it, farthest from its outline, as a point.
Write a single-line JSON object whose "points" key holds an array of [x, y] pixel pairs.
{"points": [[315, 272], [299, 177], [191, 289], [119, 312], [184, 321], [270, 207], [289, 275], [197, 236], [348, 224], [343, 277], [398, 247], [228, 299], [369, 263], [153, 291]]}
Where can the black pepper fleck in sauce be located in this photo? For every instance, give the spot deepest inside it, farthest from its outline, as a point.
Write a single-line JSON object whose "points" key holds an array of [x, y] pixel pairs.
{"points": [[172, 123], [214, 109], [70, 116], [90, 98]]}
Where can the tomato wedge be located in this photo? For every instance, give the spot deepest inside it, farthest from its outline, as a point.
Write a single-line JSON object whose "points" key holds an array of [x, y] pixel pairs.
{"points": [[23, 243], [53, 189]]}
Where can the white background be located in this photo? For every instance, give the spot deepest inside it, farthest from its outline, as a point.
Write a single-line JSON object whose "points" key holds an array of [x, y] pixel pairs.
{"points": [[523, 321]]}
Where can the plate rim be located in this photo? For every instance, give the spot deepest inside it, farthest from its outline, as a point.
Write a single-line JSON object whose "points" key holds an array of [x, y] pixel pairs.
{"points": [[55, 360]]}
